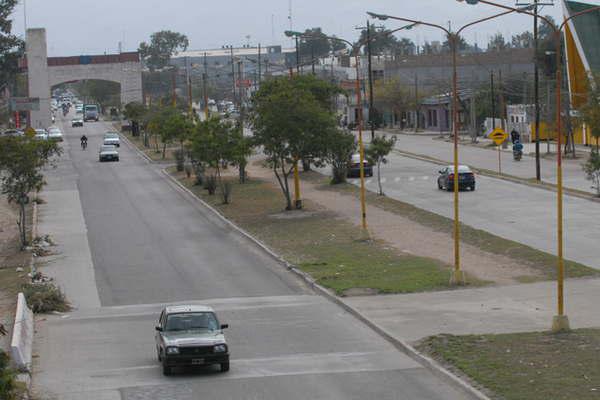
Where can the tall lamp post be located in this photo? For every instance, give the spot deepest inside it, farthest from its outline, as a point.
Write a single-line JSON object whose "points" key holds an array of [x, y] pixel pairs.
{"points": [[458, 277], [560, 322], [355, 50]]}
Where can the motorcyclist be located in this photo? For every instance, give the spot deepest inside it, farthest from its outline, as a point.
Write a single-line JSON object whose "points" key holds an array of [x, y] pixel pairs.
{"points": [[84, 140], [517, 150]]}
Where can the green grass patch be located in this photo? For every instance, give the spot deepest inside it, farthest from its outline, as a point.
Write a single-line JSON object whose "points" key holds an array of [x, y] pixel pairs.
{"points": [[325, 246], [525, 366], [541, 261]]}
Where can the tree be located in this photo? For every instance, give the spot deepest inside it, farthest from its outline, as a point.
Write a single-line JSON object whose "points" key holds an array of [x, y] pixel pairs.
{"points": [[163, 45], [105, 93], [384, 42], [523, 40], [313, 43], [242, 149], [340, 147], [22, 161], [290, 123], [377, 153], [11, 47], [391, 95], [175, 127], [592, 170], [590, 111], [462, 45], [497, 43], [214, 143]]}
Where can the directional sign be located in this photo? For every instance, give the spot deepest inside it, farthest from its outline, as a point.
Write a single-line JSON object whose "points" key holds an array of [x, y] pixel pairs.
{"points": [[498, 136], [25, 103]]}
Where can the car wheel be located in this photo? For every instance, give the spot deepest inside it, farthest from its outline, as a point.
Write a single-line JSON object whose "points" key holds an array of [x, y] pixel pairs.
{"points": [[159, 356], [225, 367], [167, 370], [117, 159]]}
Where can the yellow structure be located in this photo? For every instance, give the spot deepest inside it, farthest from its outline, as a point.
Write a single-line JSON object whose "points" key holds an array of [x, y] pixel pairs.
{"points": [[583, 58]]}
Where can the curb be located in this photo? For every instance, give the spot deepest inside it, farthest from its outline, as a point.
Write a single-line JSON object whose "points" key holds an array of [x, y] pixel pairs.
{"points": [[399, 344], [508, 178], [134, 147]]}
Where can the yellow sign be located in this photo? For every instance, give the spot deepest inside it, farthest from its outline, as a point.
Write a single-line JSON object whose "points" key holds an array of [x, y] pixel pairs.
{"points": [[498, 136], [30, 132]]}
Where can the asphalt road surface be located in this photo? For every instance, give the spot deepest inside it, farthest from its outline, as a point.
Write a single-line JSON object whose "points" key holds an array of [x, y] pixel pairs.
{"points": [[151, 245]]}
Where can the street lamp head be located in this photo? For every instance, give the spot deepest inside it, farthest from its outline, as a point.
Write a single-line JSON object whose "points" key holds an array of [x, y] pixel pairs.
{"points": [[381, 17], [471, 2], [292, 33]]}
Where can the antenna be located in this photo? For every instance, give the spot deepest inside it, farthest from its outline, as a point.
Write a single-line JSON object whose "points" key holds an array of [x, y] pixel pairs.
{"points": [[290, 15], [273, 28]]}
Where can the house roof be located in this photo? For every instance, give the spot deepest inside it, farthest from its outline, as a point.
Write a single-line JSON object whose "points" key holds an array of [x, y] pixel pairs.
{"points": [[445, 98]]}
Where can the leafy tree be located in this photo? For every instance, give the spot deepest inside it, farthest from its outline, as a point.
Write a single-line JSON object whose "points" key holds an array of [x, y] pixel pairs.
{"points": [[377, 153], [462, 45], [340, 147], [497, 43], [290, 123], [22, 161], [175, 127], [11, 47], [242, 149], [163, 45], [384, 42], [391, 95], [313, 43], [590, 112], [523, 40], [592, 170], [214, 144], [105, 93]]}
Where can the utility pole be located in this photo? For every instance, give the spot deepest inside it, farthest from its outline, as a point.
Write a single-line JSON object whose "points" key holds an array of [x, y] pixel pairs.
{"points": [[417, 103], [174, 87], [312, 56], [297, 57], [493, 100], [189, 87], [259, 68], [232, 74], [240, 84], [369, 56], [536, 94], [205, 87]]}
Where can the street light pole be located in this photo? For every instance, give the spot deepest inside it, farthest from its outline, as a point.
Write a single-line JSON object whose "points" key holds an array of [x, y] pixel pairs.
{"points": [[560, 322], [371, 109], [458, 277]]}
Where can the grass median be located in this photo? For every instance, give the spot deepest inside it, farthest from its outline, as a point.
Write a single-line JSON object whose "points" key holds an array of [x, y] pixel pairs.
{"points": [[138, 141], [325, 246], [541, 261], [525, 366]]}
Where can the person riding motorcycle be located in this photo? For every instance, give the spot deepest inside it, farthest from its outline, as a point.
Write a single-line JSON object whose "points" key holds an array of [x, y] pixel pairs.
{"points": [[84, 140], [517, 150]]}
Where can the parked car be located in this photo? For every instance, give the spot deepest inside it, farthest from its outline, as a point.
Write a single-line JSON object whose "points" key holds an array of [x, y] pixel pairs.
{"points": [[55, 134], [190, 336], [77, 121], [354, 166], [13, 132], [112, 138], [41, 134], [108, 153], [466, 178]]}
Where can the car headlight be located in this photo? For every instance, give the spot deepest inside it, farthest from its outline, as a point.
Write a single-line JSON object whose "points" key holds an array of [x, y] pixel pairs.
{"points": [[172, 350], [221, 348]]}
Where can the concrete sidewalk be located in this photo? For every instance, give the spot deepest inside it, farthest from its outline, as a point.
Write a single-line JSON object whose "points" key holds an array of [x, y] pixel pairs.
{"points": [[501, 309]]}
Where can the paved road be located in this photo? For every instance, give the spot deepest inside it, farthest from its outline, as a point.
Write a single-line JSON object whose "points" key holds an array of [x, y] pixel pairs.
{"points": [[151, 245], [510, 210], [573, 176]]}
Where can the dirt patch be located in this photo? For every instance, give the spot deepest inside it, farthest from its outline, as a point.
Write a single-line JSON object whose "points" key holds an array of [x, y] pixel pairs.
{"points": [[411, 237]]}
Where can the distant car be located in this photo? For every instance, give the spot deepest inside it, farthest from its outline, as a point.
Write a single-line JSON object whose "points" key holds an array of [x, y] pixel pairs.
{"points": [[90, 112], [108, 153], [75, 122], [41, 134], [354, 166], [55, 134], [13, 132], [190, 336], [112, 138], [466, 178]]}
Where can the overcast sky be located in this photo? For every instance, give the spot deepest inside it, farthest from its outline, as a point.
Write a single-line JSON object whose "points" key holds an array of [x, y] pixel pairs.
{"points": [[96, 26]]}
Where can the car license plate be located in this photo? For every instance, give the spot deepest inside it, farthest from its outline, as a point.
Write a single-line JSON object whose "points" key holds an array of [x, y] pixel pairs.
{"points": [[198, 361]]}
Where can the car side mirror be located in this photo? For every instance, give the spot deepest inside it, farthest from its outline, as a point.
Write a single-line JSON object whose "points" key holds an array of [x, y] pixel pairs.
{"points": [[158, 328], [441, 171], [224, 326]]}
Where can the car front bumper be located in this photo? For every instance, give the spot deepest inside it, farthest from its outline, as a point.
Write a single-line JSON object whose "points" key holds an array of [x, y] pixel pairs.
{"points": [[192, 360]]}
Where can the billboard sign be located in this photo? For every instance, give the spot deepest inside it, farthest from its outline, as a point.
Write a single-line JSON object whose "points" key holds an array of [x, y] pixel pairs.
{"points": [[25, 103]]}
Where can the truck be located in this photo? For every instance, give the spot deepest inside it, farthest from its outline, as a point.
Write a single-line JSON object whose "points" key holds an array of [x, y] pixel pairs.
{"points": [[90, 112]]}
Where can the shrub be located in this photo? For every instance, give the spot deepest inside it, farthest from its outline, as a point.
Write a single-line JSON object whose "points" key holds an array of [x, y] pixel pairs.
{"points": [[179, 159], [10, 389], [188, 171], [198, 172], [210, 184], [45, 297]]}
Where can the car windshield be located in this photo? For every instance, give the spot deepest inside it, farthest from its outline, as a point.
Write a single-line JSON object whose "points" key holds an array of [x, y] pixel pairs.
{"points": [[111, 136], [192, 321]]}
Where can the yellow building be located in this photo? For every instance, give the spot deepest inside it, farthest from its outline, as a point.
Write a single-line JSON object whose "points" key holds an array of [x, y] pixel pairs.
{"points": [[582, 49]]}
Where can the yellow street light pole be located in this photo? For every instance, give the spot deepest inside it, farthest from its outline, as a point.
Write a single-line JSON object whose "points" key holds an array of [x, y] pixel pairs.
{"points": [[457, 277]]}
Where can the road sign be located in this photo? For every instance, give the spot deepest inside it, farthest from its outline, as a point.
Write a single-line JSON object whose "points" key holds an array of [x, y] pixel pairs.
{"points": [[498, 136], [25, 103], [30, 132]]}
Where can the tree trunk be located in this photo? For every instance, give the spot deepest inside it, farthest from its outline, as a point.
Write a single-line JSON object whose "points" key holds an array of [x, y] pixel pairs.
{"points": [[283, 183], [242, 169], [379, 178], [305, 165], [164, 150], [22, 224]]}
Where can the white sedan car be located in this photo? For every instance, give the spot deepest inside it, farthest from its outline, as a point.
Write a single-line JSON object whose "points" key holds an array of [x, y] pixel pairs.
{"points": [[108, 153], [55, 134]]}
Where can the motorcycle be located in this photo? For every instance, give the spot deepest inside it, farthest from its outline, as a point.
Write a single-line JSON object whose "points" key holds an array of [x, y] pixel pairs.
{"points": [[517, 151], [84, 145]]}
